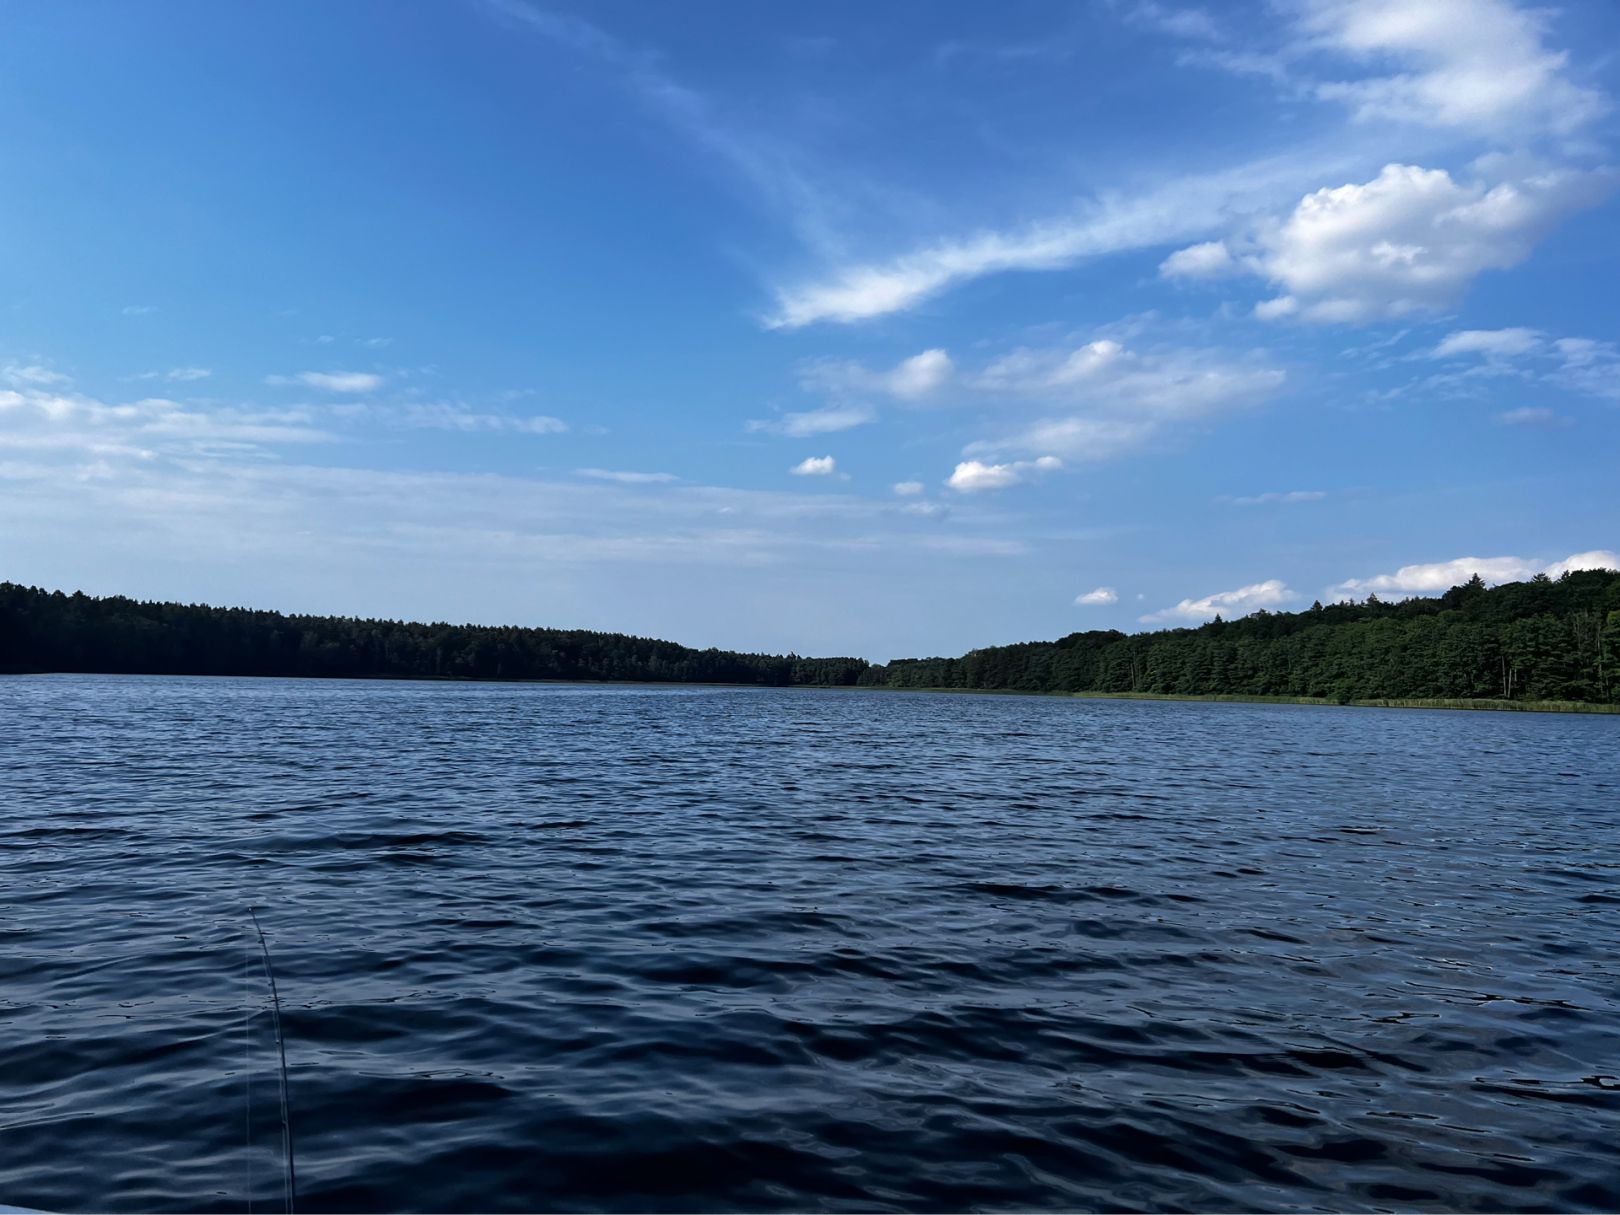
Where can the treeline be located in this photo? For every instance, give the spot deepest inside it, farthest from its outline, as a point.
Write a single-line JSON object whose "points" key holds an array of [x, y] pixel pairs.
{"points": [[49, 631], [1535, 640]]}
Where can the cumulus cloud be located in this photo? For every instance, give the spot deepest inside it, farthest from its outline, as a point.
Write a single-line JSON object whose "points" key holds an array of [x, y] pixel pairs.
{"points": [[1269, 594], [1435, 577], [1100, 597], [627, 478], [815, 466], [908, 489], [331, 381], [1596, 559], [825, 421], [1478, 65], [1411, 240], [921, 375], [974, 476], [1212, 259]]}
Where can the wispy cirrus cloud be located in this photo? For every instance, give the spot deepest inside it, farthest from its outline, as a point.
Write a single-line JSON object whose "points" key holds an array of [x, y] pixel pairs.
{"points": [[805, 424], [330, 381], [624, 477]]}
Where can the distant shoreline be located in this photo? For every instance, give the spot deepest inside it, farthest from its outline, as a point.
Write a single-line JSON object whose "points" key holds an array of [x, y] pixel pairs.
{"points": [[1500, 706]]}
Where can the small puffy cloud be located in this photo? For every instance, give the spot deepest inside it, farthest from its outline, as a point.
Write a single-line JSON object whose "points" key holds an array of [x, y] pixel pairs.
{"points": [[1276, 498], [331, 381], [975, 476], [1100, 597], [1488, 343], [809, 423], [1478, 65], [137, 309], [909, 489], [1269, 594], [1212, 259], [1438, 576], [912, 380], [1411, 240], [1530, 415], [921, 375], [626, 478], [815, 466]]}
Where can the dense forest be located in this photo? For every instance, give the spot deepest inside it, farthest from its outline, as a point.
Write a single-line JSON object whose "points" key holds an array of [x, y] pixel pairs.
{"points": [[1524, 641], [1536, 640], [50, 631]]}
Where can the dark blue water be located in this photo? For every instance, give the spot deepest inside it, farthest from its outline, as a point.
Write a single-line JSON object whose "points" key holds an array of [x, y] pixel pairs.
{"points": [[707, 949]]}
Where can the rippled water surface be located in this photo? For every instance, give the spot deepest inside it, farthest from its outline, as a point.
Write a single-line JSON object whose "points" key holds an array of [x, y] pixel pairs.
{"points": [[628, 948]]}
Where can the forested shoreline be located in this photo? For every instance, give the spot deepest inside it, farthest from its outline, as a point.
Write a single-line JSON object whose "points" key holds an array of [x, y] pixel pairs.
{"points": [[1541, 640]]}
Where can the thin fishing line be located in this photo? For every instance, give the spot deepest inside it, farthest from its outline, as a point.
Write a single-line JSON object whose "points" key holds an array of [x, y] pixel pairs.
{"points": [[247, 1063], [281, 1045]]}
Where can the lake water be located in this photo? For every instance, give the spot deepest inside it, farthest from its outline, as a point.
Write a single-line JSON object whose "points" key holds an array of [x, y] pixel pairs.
{"points": [[584, 948]]}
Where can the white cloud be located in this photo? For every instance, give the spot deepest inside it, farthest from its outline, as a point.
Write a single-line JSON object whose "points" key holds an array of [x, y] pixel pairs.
{"points": [[1479, 65], [138, 309], [1530, 415], [627, 478], [1596, 559], [1102, 596], [921, 375], [440, 416], [375, 343], [1588, 366], [830, 419], [177, 375], [909, 489], [1102, 399], [1438, 576], [331, 381], [31, 375], [1177, 210], [1489, 343], [974, 476], [1212, 259], [1284, 498], [1227, 604], [911, 380], [1411, 240], [815, 466]]}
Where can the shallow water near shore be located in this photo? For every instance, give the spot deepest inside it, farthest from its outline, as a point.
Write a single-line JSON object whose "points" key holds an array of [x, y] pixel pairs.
{"points": [[606, 948]]}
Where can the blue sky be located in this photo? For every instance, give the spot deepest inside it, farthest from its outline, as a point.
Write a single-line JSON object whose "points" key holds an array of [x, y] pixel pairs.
{"points": [[885, 330]]}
